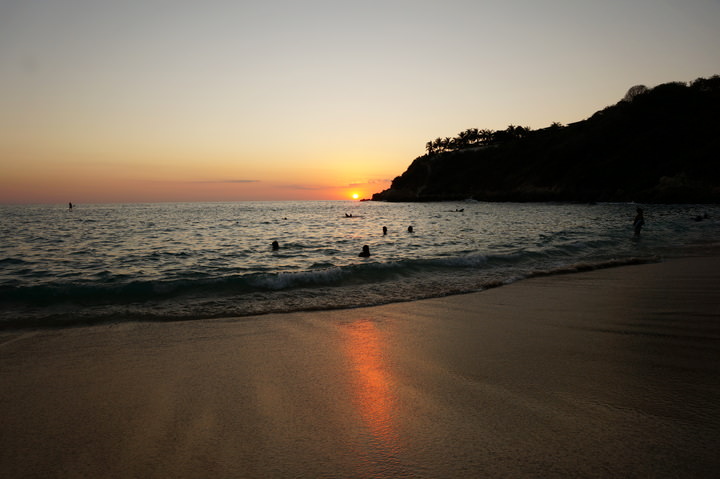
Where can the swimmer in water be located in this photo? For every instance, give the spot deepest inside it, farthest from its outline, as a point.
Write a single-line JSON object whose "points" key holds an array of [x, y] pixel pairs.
{"points": [[365, 252], [638, 222]]}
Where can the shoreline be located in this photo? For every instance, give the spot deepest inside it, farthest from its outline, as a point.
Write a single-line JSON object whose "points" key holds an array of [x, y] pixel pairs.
{"points": [[62, 322], [606, 373]]}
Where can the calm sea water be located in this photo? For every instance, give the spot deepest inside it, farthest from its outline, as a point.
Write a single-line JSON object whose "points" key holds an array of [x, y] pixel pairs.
{"points": [[202, 260]]}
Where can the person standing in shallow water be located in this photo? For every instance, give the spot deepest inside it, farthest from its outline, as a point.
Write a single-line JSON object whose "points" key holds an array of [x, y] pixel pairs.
{"points": [[365, 252], [638, 222]]}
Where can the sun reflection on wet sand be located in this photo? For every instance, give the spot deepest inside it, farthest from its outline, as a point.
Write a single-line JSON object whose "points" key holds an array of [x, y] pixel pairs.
{"points": [[372, 385]]}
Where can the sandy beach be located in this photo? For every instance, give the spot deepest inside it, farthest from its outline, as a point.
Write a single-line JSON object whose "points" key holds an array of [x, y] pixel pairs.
{"points": [[609, 373]]}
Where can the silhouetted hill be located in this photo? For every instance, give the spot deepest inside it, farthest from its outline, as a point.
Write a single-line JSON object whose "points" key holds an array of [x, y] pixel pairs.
{"points": [[659, 145]]}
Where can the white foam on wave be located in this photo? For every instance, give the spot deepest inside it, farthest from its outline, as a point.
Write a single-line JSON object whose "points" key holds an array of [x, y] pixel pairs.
{"points": [[293, 279], [468, 260]]}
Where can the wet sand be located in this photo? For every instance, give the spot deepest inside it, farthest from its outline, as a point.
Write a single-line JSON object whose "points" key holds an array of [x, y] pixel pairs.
{"points": [[611, 373]]}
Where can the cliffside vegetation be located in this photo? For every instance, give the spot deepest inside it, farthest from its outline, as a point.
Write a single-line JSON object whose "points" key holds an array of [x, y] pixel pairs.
{"points": [[659, 145]]}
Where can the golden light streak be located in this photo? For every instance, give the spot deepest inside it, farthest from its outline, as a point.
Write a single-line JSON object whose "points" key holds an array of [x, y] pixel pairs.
{"points": [[372, 384]]}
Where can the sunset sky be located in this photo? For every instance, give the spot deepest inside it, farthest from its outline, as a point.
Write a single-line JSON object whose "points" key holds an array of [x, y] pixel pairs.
{"points": [[155, 100]]}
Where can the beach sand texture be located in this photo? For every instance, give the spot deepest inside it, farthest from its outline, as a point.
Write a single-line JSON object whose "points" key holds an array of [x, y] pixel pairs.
{"points": [[610, 373]]}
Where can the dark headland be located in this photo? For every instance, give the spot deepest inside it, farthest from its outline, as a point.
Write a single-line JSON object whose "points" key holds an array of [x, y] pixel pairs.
{"points": [[656, 145]]}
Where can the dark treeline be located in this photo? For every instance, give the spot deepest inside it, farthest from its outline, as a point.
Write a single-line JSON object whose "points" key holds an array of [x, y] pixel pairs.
{"points": [[474, 138], [657, 144]]}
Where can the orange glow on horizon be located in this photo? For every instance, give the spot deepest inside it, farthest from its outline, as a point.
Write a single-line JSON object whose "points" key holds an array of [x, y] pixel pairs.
{"points": [[110, 179]]}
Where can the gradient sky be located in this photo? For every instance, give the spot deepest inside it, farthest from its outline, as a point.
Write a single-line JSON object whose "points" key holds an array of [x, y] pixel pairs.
{"points": [[155, 100]]}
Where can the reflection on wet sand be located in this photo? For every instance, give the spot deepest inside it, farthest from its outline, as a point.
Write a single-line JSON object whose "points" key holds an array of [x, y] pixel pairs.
{"points": [[372, 386]]}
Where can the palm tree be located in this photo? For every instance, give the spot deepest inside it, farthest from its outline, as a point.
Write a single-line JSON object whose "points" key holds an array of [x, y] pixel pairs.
{"points": [[462, 139], [473, 135], [486, 136]]}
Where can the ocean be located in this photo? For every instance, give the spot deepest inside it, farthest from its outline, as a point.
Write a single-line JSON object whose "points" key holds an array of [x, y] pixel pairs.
{"points": [[183, 261]]}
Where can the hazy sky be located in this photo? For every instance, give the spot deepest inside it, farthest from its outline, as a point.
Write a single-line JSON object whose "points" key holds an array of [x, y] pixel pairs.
{"points": [[154, 100]]}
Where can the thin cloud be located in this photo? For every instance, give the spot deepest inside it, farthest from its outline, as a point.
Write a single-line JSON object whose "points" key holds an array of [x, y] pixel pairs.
{"points": [[223, 181], [303, 187], [368, 182]]}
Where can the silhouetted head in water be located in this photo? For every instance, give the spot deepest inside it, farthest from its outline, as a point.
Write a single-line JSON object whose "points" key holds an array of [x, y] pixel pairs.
{"points": [[275, 245], [365, 252], [384, 230], [410, 229]]}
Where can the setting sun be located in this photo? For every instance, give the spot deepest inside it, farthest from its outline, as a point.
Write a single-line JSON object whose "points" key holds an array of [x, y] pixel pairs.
{"points": [[355, 196]]}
